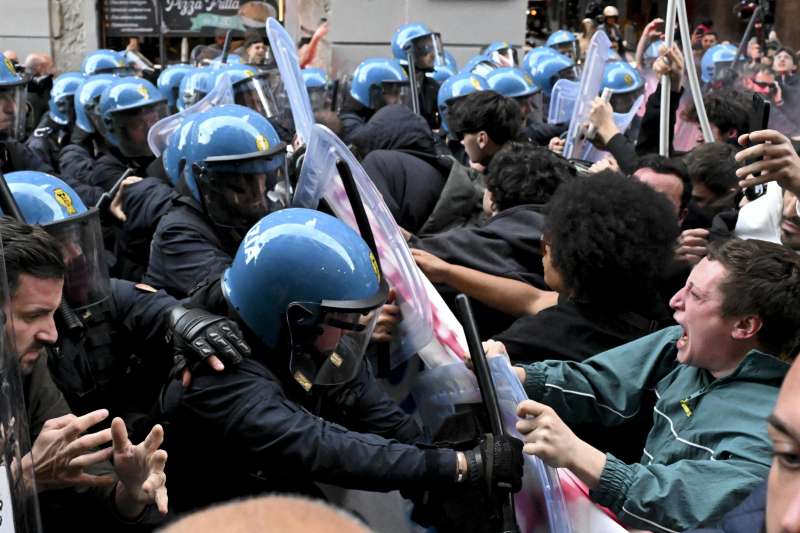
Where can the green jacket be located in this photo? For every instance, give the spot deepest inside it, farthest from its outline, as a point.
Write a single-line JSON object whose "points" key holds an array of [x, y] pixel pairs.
{"points": [[708, 447]]}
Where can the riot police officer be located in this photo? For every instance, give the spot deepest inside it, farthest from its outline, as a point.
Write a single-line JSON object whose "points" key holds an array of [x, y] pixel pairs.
{"points": [[305, 408]]}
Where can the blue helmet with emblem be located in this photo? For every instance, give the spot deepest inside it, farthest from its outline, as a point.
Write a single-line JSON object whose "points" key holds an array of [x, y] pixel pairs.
{"points": [[306, 281], [104, 61], [378, 81], [62, 98], [534, 55], [13, 108], [46, 200], [420, 43], [625, 82], [252, 88], [502, 54], [128, 108], [169, 82], [234, 165], [456, 87], [515, 83], [564, 41], [480, 64], [553, 67], [716, 62], [317, 84], [194, 86], [87, 98]]}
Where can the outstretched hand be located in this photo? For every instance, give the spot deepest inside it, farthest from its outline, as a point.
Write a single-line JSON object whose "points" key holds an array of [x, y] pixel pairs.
{"points": [[140, 470]]}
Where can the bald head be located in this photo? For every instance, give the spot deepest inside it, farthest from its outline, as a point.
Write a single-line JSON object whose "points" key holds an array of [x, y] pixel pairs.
{"points": [[39, 64], [269, 514]]}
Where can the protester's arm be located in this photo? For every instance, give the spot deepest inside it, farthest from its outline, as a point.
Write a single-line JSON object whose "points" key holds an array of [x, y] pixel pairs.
{"points": [[510, 296], [649, 132], [648, 34], [310, 52], [606, 388]]}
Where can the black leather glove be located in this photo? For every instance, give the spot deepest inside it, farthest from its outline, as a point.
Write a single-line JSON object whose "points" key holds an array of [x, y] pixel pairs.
{"points": [[496, 462], [196, 335]]}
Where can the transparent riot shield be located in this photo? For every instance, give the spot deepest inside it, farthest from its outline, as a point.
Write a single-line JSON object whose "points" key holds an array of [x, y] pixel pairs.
{"points": [[562, 101], [623, 122], [158, 136], [591, 79], [289, 66], [19, 508], [320, 179]]}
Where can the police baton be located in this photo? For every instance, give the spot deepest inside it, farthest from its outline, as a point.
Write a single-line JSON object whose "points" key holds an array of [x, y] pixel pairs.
{"points": [[107, 197], [354, 197], [504, 499], [226, 48]]}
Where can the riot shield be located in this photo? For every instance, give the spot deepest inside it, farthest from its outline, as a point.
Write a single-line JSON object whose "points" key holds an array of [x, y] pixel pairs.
{"points": [[320, 179], [591, 79], [19, 508], [286, 57], [562, 101], [623, 122], [158, 136]]}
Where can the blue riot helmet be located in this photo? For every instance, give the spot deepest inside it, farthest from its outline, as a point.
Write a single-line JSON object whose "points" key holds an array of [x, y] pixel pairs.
{"points": [[193, 87], [46, 200], [62, 98], [13, 105], [450, 60], [128, 108], [626, 84], [105, 62], [501, 54], [651, 53], [533, 56], [87, 98], [305, 281], [441, 73], [564, 41], [454, 88], [378, 82], [551, 68], [480, 64], [420, 43], [517, 84], [235, 166], [174, 152], [317, 84], [169, 83], [716, 62]]}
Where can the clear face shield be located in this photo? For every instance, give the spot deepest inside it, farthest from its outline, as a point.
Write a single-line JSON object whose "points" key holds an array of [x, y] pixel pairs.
{"points": [[329, 338], [256, 93], [131, 127], [320, 98], [569, 49], [140, 65], [13, 111], [622, 102], [66, 106], [239, 193], [92, 112], [283, 109], [723, 71], [505, 57], [389, 93], [86, 282], [426, 52], [532, 107]]}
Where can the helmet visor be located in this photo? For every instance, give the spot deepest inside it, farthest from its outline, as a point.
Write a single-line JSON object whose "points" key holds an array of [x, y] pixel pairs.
{"points": [[427, 52], [532, 107], [389, 93], [722, 70], [622, 102], [283, 109], [130, 128], [505, 57], [65, 110], [13, 112], [255, 93], [320, 99], [86, 282], [342, 331], [239, 193]]}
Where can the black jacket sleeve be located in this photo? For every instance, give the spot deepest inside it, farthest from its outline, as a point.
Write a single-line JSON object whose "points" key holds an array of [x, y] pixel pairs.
{"points": [[649, 132], [141, 312], [76, 167]]}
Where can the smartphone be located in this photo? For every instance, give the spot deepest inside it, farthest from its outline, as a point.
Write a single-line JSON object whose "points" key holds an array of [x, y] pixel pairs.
{"points": [[759, 120]]}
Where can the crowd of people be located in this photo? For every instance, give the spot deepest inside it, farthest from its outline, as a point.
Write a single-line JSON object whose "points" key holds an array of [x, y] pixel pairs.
{"points": [[160, 277]]}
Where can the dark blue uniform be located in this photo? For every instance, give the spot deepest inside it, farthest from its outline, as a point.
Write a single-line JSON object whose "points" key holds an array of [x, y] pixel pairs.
{"points": [[47, 141], [14, 156], [246, 431]]}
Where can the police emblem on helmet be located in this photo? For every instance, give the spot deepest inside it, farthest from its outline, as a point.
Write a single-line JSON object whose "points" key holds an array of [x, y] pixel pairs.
{"points": [[143, 91], [262, 144], [249, 73], [475, 83], [375, 265], [65, 200], [628, 79], [10, 65], [528, 79]]}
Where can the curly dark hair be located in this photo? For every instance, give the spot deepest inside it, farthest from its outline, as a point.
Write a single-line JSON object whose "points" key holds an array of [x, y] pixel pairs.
{"points": [[727, 109], [521, 173], [610, 237]]}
